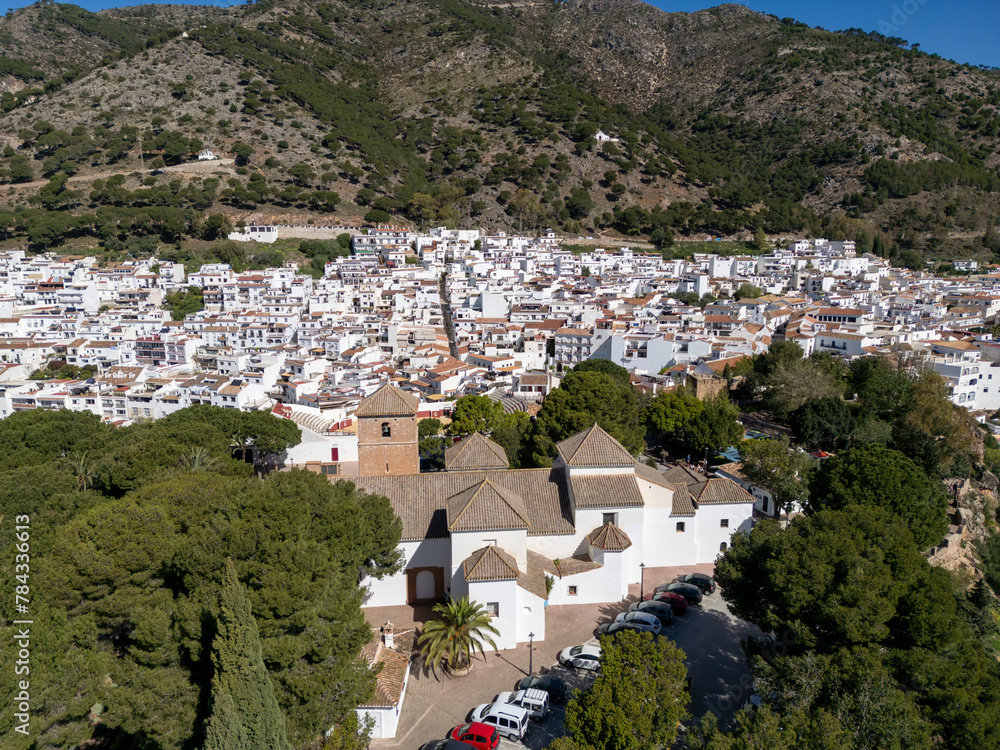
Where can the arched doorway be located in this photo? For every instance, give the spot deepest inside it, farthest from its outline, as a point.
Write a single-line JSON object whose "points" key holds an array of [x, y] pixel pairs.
{"points": [[424, 585], [425, 588]]}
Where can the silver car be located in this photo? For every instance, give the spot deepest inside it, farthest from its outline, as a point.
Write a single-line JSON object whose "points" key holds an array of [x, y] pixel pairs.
{"points": [[643, 621], [581, 657]]}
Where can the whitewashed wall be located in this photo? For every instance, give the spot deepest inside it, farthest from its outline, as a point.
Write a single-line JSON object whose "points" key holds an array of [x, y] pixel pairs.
{"points": [[514, 543], [504, 593], [709, 533], [530, 616], [593, 587], [391, 591]]}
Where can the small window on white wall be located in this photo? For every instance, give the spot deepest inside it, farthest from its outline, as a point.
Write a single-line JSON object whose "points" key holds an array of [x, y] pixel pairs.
{"points": [[493, 609], [680, 527], [571, 590], [490, 542], [722, 547], [724, 523], [609, 518]]}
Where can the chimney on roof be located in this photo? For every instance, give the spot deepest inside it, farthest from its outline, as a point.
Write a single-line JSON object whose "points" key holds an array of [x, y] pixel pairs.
{"points": [[387, 635]]}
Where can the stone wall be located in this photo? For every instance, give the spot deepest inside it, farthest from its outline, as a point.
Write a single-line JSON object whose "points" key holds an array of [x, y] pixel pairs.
{"points": [[396, 454]]}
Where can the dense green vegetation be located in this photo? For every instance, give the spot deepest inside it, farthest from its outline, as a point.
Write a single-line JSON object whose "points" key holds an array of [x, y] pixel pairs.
{"points": [[596, 391], [132, 532], [766, 152], [874, 647], [879, 648], [182, 304], [638, 670], [244, 711]]}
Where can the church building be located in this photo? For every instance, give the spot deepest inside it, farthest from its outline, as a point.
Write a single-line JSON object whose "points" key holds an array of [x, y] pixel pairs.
{"points": [[516, 540]]}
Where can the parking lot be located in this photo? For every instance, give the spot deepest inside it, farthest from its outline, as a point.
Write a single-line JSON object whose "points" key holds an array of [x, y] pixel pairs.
{"points": [[708, 634]]}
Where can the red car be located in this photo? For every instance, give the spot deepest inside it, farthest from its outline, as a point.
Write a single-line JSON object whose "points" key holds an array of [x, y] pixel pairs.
{"points": [[480, 736], [677, 602]]}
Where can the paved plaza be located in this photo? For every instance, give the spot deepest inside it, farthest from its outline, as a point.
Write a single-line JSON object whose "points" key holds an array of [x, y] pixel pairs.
{"points": [[435, 702]]}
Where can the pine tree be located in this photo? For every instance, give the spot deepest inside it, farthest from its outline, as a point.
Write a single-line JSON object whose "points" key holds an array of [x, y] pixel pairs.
{"points": [[245, 714]]}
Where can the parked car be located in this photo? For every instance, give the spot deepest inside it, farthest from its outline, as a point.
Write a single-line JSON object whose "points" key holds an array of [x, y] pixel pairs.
{"points": [[677, 602], [660, 609], [581, 657], [446, 744], [555, 687], [689, 592], [611, 629], [479, 736], [510, 720], [647, 623], [534, 701], [703, 581]]}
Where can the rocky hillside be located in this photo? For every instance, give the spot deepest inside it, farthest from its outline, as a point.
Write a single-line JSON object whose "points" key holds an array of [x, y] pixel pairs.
{"points": [[450, 111]]}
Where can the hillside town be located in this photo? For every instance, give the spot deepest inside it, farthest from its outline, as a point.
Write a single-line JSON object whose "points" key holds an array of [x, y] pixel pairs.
{"points": [[522, 311]]}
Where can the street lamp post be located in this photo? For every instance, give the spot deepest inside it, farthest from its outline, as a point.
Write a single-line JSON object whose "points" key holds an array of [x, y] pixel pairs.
{"points": [[642, 580], [531, 654]]}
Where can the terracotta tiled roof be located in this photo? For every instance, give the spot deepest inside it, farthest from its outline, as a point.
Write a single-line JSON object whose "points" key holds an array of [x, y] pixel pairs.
{"points": [[389, 401], [533, 578], [733, 469], [594, 447], [475, 452], [683, 503], [718, 366], [395, 663], [721, 491], [650, 474], [534, 378], [609, 538], [421, 500], [607, 491], [682, 475], [570, 566], [490, 564], [486, 507]]}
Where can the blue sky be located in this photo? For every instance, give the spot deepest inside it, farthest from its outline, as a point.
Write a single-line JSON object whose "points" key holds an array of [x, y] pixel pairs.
{"points": [[960, 30]]}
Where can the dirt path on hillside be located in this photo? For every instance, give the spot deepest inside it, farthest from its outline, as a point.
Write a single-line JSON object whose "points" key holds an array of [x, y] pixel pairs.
{"points": [[191, 168]]}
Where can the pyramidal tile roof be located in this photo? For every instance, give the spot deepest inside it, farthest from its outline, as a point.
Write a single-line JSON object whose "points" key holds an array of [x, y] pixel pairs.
{"points": [[606, 491], [487, 507], [594, 447], [475, 452], [721, 491], [389, 401], [490, 564], [609, 538]]}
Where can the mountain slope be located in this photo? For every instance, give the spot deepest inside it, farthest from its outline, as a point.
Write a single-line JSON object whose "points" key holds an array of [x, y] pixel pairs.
{"points": [[445, 111]]}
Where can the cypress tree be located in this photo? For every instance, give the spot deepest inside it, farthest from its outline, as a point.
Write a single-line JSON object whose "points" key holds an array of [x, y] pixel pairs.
{"points": [[245, 714]]}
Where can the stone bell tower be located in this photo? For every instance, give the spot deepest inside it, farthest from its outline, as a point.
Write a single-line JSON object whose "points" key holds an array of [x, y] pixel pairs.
{"points": [[387, 433]]}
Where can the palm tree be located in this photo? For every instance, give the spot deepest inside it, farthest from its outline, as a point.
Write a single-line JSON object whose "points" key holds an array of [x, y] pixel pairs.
{"points": [[198, 458], [462, 628], [82, 470], [238, 442]]}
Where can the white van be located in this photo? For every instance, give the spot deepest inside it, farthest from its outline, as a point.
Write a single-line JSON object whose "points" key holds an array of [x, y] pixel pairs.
{"points": [[534, 701], [510, 720]]}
